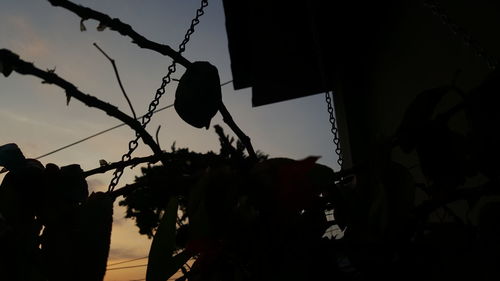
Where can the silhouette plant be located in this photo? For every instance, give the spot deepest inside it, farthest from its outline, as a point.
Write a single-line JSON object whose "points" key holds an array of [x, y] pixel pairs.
{"points": [[238, 216], [267, 220]]}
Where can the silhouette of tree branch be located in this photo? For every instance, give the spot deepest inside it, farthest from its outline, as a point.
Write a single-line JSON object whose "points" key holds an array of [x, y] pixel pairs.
{"points": [[122, 164], [157, 135], [124, 29], [118, 78], [228, 119], [10, 61]]}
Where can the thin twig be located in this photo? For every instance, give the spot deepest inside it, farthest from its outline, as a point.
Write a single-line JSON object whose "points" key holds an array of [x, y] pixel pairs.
{"points": [[123, 164], [118, 78], [10, 60], [157, 135], [124, 29], [228, 119]]}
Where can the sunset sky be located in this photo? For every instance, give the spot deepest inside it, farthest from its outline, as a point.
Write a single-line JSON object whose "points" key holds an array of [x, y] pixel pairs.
{"points": [[35, 115]]}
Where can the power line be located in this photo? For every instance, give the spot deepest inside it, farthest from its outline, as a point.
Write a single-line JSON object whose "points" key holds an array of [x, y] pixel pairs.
{"points": [[145, 279], [100, 133], [107, 130], [125, 267], [94, 135], [225, 83], [116, 263]]}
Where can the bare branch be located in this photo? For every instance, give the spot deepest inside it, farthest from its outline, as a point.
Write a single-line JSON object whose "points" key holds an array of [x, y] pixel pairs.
{"points": [[118, 78], [228, 119], [11, 62], [123, 164], [157, 135], [123, 28]]}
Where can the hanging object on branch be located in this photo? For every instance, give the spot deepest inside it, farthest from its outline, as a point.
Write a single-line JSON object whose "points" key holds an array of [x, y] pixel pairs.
{"points": [[198, 98], [198, 95]]}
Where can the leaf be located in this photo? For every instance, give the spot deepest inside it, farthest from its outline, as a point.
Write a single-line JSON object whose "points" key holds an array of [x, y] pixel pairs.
{"points": [[10, 154], [418, 113], [7, 59], [5, 69], [68, 99], [101, 27], [82, 26], [294, 187], [161, 264], [334, 232]]}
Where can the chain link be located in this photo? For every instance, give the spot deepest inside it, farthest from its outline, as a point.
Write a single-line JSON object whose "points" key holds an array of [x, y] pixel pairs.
{"points": [[133, 144], [334, 129], [467, 40]]}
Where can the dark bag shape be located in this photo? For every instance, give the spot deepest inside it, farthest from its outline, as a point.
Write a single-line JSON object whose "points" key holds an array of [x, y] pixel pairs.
{"points": [[198, 94]]}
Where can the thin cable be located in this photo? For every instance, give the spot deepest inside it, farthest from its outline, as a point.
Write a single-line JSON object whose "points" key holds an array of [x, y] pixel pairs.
{"points": [[93, 136], [116, 263], [125, 267], [225, 83], [100, 133], [107, 130]]}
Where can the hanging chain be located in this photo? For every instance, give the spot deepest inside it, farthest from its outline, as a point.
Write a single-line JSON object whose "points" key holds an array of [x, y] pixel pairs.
{"points": [[460, 32], [133, 144], [334, 129]]}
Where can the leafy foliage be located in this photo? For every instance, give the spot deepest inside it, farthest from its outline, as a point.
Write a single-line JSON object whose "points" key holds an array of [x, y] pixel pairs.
{"points": [[244, 221], [240, 217]]}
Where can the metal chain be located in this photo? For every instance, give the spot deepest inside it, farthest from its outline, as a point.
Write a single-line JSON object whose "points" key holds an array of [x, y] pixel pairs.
{"points": [[467, 40], [133, 144], [334, 129]]}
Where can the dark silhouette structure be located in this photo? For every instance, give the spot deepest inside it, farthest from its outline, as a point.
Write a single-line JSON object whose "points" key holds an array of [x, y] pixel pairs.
{"points": [[416, 98]]}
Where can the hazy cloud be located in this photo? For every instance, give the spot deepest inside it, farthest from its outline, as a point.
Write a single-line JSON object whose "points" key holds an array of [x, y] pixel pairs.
{"points": [[124, 254], [26, 40], [6, 114], [96, 184]]}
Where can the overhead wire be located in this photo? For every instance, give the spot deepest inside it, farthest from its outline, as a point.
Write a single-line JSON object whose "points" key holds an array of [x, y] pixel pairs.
{"points": [[94, 135], [106, 130], [125, 267], [121, 262], [99, 133]]}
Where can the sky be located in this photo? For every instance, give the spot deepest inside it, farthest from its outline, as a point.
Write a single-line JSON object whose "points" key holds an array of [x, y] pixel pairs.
{"points": [[35, 115]]}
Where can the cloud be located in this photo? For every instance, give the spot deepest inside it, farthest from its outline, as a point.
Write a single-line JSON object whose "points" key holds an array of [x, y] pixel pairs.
{"points": [[124, 254], [24, 38], [96, 184], [7, 114]]}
